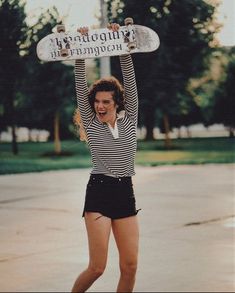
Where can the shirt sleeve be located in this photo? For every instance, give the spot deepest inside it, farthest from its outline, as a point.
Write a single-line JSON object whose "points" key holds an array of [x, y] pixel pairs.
{"points": [[82, 92], [130, 87]]}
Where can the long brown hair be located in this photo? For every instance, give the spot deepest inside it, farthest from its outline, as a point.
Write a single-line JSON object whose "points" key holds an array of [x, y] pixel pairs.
{"points": [[77, 120]]}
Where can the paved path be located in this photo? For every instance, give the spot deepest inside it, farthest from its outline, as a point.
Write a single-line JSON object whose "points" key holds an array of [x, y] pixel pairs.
{"points": [[187, 231]]}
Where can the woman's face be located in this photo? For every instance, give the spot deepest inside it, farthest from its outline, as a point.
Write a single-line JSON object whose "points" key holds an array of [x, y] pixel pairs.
{"points": [[105, 107]]}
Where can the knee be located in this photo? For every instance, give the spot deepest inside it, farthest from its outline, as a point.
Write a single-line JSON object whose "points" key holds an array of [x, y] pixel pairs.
{"points": [[96, 271], [128, 269]]}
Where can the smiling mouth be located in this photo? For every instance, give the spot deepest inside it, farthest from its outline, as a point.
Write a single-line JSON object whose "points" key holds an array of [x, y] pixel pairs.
{"points": [[102, 114]]}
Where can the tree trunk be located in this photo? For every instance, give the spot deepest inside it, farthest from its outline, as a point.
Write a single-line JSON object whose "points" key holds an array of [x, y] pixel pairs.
{"points": [[57, 144], [179, 133], [10, 110], [14, 142], [149, 123], [231, 132], [188, 132], [168, 142]]}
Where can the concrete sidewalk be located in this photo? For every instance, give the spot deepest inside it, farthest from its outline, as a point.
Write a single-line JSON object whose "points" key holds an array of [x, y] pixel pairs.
{"points": [[186, 221]]}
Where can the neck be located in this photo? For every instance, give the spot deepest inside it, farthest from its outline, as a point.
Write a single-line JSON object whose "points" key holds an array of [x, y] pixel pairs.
{"points": [[112, 123]]}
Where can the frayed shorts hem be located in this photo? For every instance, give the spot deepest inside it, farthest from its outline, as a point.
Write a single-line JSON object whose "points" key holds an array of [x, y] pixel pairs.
{"points": [[112, 217]]}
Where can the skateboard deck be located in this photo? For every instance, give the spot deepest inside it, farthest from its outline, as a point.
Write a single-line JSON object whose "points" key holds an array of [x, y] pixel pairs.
{"points": [[62, 46]]}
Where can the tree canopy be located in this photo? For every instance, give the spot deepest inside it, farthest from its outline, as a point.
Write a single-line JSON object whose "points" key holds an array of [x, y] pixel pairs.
{"points": [[32, 93], [186, 29], [176, 83], [13, 34], [224, 102], [48, 87]]}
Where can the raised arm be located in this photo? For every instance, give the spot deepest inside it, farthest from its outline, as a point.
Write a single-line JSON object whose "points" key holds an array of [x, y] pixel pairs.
{"points": [[131, 95], [82, 92]]}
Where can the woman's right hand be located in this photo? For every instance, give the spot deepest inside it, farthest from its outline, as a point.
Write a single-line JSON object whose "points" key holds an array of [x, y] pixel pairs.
{"points": [[83, 30]]}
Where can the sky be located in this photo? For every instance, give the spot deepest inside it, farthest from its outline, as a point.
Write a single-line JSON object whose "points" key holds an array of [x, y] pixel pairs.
{"points": [[86, 12]]}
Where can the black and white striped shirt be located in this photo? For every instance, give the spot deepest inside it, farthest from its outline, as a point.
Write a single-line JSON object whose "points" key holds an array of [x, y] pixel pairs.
{"points": [[111, 155]]}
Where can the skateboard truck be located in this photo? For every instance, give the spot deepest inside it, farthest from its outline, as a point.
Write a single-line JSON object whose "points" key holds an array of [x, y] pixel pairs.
{"points": [[130, 35], [64, 52]]}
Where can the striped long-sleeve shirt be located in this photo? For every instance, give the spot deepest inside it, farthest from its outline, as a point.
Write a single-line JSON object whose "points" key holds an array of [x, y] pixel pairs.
{"points": [[111, 155]]}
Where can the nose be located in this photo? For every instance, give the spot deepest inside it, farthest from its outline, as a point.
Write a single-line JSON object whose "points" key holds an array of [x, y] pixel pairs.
{"points": [[100, 106]]}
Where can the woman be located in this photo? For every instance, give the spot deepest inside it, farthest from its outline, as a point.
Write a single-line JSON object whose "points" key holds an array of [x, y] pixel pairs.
{"points": [[110, 124]]}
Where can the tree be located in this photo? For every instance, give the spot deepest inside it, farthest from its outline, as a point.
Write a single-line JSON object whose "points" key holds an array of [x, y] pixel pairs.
{"points": [[189, 113], [186, 29], [13, 35], [209, 89], [48, 87], [224, 96]]}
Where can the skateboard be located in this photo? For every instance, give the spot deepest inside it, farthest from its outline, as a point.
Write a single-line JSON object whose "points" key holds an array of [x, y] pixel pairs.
{"points": [[130, 38]]}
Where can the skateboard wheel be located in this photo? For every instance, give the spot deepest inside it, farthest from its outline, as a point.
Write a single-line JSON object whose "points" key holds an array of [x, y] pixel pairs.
{"points": [[129, 21], [64, 52], [60, 28], [131, 45]]}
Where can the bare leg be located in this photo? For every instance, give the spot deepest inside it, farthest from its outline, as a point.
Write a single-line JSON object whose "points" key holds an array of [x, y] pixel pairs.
{"points": [[126, 233], [98, 232]]}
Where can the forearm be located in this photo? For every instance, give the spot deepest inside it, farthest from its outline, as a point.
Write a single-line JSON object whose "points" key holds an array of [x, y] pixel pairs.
{"points": [[82, 91], [130, 87]]}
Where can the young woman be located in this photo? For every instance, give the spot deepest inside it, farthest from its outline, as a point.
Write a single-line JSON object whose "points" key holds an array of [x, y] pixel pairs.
{"points": [[109, 124]]}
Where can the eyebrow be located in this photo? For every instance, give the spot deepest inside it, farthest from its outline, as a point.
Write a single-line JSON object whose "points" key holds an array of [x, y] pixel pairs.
{"points": [[104, 100]]}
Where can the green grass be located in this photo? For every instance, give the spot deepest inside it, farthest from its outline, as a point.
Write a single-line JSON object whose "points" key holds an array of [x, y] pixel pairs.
{"points": [[187, 151], [36, 157]]}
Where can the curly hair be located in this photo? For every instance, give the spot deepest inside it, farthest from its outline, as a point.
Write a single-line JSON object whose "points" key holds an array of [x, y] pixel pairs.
{"points": [[77, 120], [110, 84]]}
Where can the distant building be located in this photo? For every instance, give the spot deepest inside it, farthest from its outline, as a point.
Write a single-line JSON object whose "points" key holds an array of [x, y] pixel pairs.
{"points": [[24, 134]]}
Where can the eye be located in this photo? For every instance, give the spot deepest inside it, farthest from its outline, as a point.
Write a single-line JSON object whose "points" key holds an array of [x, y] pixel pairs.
{"points": [[106, 102]]}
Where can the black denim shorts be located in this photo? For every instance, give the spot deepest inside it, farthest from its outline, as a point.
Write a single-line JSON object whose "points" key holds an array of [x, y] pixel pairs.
{"points": [[110, 196]]}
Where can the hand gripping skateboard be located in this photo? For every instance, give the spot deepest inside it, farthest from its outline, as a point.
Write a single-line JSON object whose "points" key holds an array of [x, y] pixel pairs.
{"points": [[131, 38]]}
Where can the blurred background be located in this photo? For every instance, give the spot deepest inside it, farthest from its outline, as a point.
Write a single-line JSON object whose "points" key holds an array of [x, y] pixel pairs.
{"points": [[186, 87]]}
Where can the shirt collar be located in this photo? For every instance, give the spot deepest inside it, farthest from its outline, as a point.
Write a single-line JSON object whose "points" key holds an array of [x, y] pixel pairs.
{"points": [[121, 114]]}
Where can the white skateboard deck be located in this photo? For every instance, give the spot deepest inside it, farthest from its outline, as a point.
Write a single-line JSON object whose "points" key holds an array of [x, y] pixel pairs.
{"points": [[98, 43]]}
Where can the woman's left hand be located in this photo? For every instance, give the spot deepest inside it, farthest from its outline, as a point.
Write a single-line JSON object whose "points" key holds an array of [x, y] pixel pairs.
{"points": [[113, 26]]}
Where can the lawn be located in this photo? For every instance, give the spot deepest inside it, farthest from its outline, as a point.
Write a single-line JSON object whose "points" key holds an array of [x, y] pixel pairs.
{"points": [[35, 157], [187, 151]]}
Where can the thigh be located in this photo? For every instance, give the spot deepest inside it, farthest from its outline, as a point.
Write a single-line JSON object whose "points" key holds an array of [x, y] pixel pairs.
{"points": [[126, 234], [98, 232]]}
